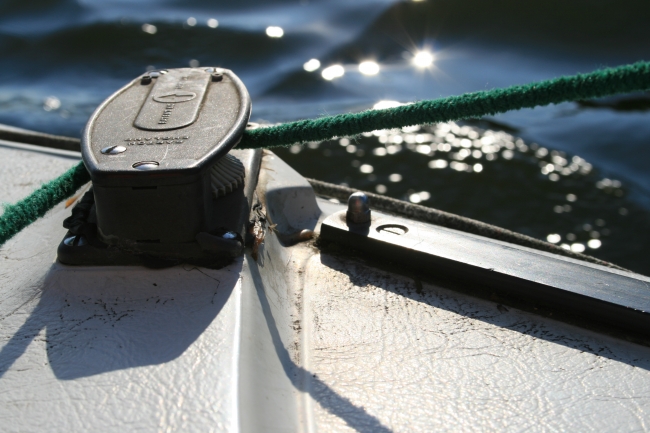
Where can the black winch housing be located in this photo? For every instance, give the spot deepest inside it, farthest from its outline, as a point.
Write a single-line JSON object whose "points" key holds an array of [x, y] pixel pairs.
{"points": [[166, 187]]}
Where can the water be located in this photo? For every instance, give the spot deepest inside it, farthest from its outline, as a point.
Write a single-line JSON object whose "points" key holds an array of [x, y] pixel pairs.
{"points": [[574, 173]]}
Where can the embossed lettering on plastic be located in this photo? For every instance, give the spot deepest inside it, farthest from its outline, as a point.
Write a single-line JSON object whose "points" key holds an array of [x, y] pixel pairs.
{"points": [[174, 100]]}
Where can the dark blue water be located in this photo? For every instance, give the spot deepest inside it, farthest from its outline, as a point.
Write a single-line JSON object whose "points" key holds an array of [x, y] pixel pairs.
{"points": [[574, 173]]}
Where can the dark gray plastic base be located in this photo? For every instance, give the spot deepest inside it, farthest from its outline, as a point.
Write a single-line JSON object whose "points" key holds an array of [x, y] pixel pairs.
{"points": [[209, 249]]}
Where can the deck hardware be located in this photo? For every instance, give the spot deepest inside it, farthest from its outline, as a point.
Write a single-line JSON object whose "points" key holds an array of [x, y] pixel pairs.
{"points": [[156, 74], [180, 183], [586, 293], [229, 235], [358, 210], [113, 150], [75, 241], [146, 165]]}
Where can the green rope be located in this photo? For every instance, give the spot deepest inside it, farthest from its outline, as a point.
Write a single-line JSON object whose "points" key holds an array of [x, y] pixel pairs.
{"points": [[623, 79], [604, 82], [18, 216]]}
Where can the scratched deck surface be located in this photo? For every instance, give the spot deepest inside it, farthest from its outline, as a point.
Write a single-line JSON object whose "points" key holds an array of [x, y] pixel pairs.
{"points": [[25, 168], [295, 341], [416, 357], [77, 339]]}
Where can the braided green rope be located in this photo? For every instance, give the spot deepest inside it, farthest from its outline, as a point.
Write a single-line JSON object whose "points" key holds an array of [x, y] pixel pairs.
{"points": [[18, 216], [604, 82]]}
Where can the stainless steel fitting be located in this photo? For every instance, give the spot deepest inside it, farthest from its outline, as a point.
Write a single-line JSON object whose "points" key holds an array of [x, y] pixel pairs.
{"points": [[358, 210]]}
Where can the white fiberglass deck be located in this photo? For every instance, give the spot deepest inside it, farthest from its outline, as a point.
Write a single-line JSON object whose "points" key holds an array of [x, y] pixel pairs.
{"points": [[295, 341]]}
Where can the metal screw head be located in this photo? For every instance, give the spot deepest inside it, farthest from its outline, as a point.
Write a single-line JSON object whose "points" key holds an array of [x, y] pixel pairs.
{"points": [[358, 210], [217, 77], [113, 150], [394, 229], [146, 79], [145, 165], [75, 241]]}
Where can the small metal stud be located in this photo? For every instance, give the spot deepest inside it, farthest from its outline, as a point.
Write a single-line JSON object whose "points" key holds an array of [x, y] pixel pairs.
{"points": [[145, 165], [229, 235], [217, 77], [146, 79], [113, 150], [75, 241], [358, 210]]}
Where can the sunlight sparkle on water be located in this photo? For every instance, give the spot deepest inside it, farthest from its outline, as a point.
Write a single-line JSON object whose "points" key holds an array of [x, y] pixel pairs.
{"points": [[366, 168], [577, 248], [594, 243], [149, 28], [423, 59], [463, 149], [554, 238], [369, 68], [438, 163], [419, 197], [51, 103], [311, 65], [191, 21], [274, 32], [332, 72], [213, 23]]}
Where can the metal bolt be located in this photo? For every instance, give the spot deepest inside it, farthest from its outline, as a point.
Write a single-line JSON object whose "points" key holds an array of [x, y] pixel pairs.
{"points": [[229, 235], [146, 79], [358, 210], [75, 241], [113, 150], [145, 165], [217, 77]]}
